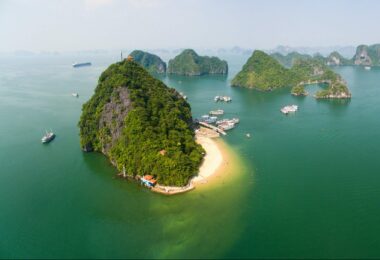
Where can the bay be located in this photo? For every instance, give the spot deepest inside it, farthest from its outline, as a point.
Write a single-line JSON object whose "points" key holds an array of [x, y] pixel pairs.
{"points": [[306, 185]]}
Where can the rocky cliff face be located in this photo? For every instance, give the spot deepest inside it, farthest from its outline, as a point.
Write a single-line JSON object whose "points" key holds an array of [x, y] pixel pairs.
{"points": [[150, 62], [367, 55], [189, 63], [112, 117]]}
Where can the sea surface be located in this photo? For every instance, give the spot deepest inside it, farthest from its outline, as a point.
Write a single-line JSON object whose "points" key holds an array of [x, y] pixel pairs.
{"points": [[307, 185]]}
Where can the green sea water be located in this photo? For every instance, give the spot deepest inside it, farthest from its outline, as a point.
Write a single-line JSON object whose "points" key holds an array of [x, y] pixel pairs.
{"points": [[306, 185]]}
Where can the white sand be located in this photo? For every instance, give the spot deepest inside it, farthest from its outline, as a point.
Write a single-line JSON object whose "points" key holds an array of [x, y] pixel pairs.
{"points": [[212, 160]]}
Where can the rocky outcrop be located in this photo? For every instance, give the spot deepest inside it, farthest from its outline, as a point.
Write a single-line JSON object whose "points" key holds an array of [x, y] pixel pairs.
{"points": [[189, 63], [111, 120], [335, 59], [367, 55], [150, 62]]}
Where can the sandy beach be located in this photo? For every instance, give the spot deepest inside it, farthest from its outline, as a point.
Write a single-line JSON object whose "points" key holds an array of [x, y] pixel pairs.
{"points": [[212, 161], [214, 166]]}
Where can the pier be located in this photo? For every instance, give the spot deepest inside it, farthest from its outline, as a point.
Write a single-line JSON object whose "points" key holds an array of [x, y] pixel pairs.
{"points": [[217, 129]]}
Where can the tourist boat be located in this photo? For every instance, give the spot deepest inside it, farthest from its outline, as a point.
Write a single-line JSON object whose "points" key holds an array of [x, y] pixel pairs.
{"points": [[49, 136], [226, 126], [367, 67], [208, 119], [222, 98], [232, 121], [75, 94], [289, 109], [216, 112], [83, 64]]}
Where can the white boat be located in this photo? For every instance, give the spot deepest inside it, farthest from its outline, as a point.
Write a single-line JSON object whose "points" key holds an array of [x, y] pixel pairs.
{"points": [[216, 112], [75, 94], [232, 121], [226, 126], [222, 98], [367, 67], [49, 136], [248, 135], [289, 109]]}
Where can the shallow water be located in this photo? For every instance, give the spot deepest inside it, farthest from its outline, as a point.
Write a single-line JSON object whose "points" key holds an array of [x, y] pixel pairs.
{"points": [[307, 185]]}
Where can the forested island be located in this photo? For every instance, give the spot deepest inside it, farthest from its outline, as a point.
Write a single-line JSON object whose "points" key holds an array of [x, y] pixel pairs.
{"points": [[150, 62], [265, 73], [143, 126], [189, 63]]}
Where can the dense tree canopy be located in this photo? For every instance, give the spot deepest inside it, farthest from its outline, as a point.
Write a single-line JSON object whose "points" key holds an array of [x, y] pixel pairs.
{"points": [[265, 73], [189, 63], [156, 135]]}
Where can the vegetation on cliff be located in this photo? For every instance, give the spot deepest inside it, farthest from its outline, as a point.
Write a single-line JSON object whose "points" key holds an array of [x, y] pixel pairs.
{"points": [[289, 59], [189, 63], [150, 62], [264, 73], [142, 125], [367, 55]]}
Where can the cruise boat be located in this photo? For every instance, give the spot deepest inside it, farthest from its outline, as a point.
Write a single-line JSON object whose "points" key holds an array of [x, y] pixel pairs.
{"points": [[226, 126], [216, 112], [232, 121], [289, 109], [83, 64], [49, 136], [222, 98], [208, 119]]}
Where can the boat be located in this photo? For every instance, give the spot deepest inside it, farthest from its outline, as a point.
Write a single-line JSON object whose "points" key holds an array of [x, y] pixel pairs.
{"points": [[48, 137], [222, 98], [75, 94], [289, 109], [216, 112], [367, 67], [83, 64], [208, 119], [248, 135], [232, 121], [226, 126]]}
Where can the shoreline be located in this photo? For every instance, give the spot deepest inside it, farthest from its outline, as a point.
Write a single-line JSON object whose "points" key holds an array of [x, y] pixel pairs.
{"points": [[214, 164]]}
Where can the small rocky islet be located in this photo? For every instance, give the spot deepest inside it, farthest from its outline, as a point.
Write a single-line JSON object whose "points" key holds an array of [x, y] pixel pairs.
{"points": [[189, 63]]}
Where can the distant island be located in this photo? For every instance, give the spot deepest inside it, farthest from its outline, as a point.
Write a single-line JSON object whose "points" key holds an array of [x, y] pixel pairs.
{"points": [[263, 72], [366, 55], [150, 62], [141, 125], [189, 63]]}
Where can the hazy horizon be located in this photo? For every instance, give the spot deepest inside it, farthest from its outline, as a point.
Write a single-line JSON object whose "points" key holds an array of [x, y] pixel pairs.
{"points": [[85, 25]]}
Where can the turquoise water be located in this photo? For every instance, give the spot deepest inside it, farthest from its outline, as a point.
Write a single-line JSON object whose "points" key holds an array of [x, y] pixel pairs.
{"points": [[307, 185]]}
